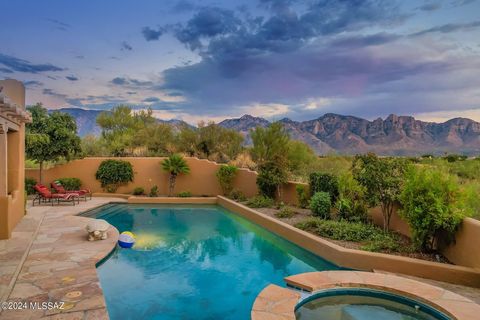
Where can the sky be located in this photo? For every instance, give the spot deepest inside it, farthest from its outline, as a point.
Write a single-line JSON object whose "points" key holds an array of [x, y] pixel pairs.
{"points": [[211, 60]]}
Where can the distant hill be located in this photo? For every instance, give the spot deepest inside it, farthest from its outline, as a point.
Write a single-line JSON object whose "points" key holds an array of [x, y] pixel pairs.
{"points": [[333, 133]]}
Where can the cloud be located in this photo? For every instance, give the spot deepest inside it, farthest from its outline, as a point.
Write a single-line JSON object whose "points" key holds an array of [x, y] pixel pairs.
{"points": [[21, 65], [53, 93], [151, 99], [125, 46], [32, 83], [71, 78], [59, 24], [128, 82], [183, 6], [450, 27], [432, 6], [459, 3], [5, 70], [208, 22], [151, 34]]}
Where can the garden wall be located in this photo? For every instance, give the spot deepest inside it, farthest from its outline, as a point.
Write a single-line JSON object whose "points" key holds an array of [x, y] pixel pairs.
{"points": [[148, 172]]}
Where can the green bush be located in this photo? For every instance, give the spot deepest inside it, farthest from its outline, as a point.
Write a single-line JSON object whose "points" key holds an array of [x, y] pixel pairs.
{"points": [[269, 180], [113, 173], [320, 204], [138, 191], [70, 183], [433, 207], [185, 194], [260, 202], [237, 195], [455, 157], [285, 212], [302, 196], [225, 175], [29, 184], [324, 182], [153, 192], [371, 237], [351, 203]]}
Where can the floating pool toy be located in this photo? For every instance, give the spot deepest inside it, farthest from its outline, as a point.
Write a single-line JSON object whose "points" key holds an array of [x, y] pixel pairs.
{"points": [[126, 239]]}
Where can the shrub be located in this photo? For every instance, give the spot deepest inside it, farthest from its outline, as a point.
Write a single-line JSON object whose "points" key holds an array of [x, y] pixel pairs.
{"points": [[432, 207], [185, 194], [113, 173], [237, 195], [269, 180], [371, 237], [260, 202], [225, 175], [455, 157], [153, 192], [324, 182], [351, 204], [320, 204], [70, 183], [285, 212], [382, 180], [29, 184], [138, 191], [302, 195]]}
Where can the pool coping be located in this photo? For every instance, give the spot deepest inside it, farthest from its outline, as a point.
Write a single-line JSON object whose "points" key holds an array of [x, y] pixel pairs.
{"points": [[275, 302]]}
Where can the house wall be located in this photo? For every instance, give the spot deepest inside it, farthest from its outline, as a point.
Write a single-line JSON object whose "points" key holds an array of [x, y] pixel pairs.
{"points": [[12, 161]]}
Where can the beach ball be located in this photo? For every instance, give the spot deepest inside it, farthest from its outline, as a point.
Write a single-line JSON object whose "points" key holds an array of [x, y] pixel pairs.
{"points": [[126, 239]]}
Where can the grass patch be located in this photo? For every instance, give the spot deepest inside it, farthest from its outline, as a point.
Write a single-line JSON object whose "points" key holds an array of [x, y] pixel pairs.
{"points": [[285, 212], [260, 202], [369, 236]]}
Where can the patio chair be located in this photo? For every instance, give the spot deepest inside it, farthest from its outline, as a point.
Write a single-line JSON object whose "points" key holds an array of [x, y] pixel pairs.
{"points": [[43, 193], [57, 186]]}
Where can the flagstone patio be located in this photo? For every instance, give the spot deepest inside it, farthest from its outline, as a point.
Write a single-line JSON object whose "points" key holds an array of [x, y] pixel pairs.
{"points": [[48, 259]]}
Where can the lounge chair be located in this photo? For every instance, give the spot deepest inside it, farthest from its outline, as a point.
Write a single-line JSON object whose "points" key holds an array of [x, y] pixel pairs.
{"points": [[57, 186], [43, 193]]}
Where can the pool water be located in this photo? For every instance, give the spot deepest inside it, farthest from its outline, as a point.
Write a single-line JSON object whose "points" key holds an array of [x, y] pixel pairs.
{"points": [[364, 304], [194, 262]]}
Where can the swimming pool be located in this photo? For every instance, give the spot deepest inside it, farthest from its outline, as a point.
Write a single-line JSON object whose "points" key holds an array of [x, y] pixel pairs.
{"points": [[194, 262]]}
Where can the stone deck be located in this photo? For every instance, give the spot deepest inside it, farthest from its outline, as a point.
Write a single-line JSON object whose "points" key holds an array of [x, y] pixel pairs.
{"points": [[275, 302], [49, 258]]}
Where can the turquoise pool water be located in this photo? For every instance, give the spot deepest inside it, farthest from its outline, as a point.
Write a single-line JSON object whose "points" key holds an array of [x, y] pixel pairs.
{"points": [[364, 304], [194, 262]]}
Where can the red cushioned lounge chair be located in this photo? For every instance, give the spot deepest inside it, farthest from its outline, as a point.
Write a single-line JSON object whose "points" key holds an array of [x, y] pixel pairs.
{"points": [[43, 193], [57, 186]]}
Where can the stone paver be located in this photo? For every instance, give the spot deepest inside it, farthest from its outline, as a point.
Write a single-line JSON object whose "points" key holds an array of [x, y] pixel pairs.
{"points": [[275, 302], [48, 259], [457, 306]]}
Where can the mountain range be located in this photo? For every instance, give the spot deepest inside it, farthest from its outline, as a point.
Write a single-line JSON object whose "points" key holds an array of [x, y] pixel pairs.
{"points": [[333, 133]]}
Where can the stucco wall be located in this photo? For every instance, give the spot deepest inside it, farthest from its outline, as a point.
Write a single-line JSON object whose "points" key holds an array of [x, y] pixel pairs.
{"points": [[148, 172]]}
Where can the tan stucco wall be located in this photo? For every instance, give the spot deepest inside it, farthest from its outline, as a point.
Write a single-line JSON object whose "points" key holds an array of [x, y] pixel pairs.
{"points": [[148, 172], [466, 249], [12, 207]]}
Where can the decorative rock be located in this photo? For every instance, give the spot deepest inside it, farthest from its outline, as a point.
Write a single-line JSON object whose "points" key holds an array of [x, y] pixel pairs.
{"points": [[97, 229]]}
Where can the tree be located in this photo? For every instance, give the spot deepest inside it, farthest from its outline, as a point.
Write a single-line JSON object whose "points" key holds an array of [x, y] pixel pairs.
{"points": [[269, 150], [382, 179], [432, 206], [174, 165], [121, 125], [300, 158], [50, 137], [225, 175]]}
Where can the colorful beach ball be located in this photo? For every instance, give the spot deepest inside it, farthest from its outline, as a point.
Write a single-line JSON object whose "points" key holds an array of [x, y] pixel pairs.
{"points": [[126, 239]]}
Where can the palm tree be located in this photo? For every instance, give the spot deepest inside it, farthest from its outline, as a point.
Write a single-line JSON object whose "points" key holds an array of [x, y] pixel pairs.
{"points": [[174, 165]]}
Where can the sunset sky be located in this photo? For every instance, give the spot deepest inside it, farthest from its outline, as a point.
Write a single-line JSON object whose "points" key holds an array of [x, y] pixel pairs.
{"points": [[195, 60]]}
